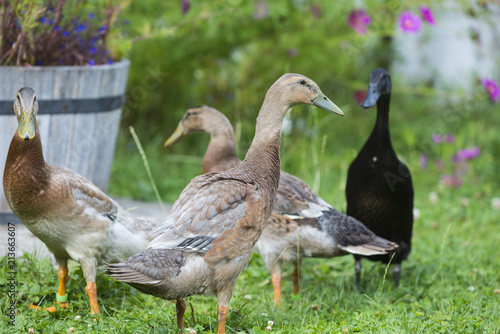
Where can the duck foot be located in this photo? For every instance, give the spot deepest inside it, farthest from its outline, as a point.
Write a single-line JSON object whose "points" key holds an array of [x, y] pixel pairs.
{"points": [[50, 309]]}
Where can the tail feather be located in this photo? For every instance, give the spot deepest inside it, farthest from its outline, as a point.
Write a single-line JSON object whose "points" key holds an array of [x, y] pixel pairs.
{"points": [[125, 273], [379, 246], [354, 237], [149, 267]]}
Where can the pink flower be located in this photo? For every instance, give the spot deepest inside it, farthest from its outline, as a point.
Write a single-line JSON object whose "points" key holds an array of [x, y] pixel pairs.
{"points": [[467, 154], [492, 88], [185, 6], [438, 139], [451, 180], [427, 15], [359, 20], [423, 161], [409, 22], [316, 11], [359, 95], [439, 163]]}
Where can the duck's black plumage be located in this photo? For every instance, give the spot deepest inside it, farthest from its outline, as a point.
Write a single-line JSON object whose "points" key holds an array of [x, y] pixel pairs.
{"points": [[379, 187]]}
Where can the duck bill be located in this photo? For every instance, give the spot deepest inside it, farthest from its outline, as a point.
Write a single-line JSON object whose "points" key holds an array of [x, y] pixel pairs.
{"points": [[324, 102], [371, 96], [176, 136], [26, 126]]}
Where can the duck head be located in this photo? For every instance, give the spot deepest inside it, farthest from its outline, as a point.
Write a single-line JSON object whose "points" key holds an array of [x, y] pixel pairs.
{"points": [[199, 119], [26, 108], [380, 84], [300, 89]]}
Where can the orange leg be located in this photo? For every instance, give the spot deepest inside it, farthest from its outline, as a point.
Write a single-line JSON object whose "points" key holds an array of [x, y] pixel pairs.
{"points": [[62, 297], [180, 307], [276, 278], [221, 315], [91, 290], [296, 280]]}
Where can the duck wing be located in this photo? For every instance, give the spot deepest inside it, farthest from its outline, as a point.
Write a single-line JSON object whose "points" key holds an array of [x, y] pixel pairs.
{"points": [[210, 205], [295, 197]]}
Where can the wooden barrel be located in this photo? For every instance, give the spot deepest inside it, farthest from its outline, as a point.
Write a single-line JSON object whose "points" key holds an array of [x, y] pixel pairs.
{"points": [[79, 116]]}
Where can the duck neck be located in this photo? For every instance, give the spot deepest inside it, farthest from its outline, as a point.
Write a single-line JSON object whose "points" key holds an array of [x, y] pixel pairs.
{"points": [[381, 129], [25, 165], [263, 156], [221, 152]]}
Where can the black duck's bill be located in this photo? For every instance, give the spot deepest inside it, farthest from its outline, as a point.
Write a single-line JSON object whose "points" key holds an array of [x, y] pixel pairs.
{"points": [[371, 96], [325, 103]]}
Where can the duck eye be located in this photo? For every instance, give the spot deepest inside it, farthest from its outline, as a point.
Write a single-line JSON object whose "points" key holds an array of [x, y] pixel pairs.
{"points": [[302, 82]]}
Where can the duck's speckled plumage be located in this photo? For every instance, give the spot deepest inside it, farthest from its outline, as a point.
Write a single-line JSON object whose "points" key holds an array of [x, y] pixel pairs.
{"points": [[219, 216], [299, 216], [379, 186], [72, 216]]}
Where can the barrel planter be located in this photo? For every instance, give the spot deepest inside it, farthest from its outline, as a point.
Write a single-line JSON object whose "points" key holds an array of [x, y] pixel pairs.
{"points": [[79, 116]]}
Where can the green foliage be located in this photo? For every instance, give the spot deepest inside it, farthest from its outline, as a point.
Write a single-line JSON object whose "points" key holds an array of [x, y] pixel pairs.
{"points": [[220, 54]]}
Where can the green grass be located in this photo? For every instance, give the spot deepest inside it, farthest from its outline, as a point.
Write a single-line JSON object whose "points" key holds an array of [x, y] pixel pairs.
{"points": [[450, 283]]}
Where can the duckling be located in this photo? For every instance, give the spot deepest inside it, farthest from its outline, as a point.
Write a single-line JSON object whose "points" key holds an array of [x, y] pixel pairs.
{"points": [[71, 215], [301, 225], [379, 188], [208, 237]]}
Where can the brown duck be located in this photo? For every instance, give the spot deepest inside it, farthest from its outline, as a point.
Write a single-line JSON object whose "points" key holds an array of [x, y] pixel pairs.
{"points": [[207, 239], [72, 216], [322, 230]]}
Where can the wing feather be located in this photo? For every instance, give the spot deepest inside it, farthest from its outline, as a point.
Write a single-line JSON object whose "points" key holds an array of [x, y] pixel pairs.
{"points": [[207, 207]]}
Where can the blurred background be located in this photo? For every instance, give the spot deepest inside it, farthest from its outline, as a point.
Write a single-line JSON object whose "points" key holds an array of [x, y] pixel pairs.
{"points": [[226, 54]]}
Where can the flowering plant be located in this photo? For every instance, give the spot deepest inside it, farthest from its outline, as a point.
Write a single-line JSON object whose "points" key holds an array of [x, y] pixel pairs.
{"points": [[56, 32]]}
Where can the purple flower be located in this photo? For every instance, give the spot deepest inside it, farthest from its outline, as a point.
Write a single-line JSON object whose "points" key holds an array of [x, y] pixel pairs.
{"points": [[65, 33], [359, 20], [450, 138], [91, 62], [43, 20], [102, 29], [293, 52], [80, 28], [427, 15], [93, 49], [261, 10], [423, 161], [57, 28], [110, 61], [468, 153], [491, 87], [91, 15], [409, 22], [185, 6]]}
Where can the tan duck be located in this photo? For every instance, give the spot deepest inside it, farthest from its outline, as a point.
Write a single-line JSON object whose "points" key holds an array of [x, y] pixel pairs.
{"points": [[72, 216], [207, 239], [322, 230]]}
